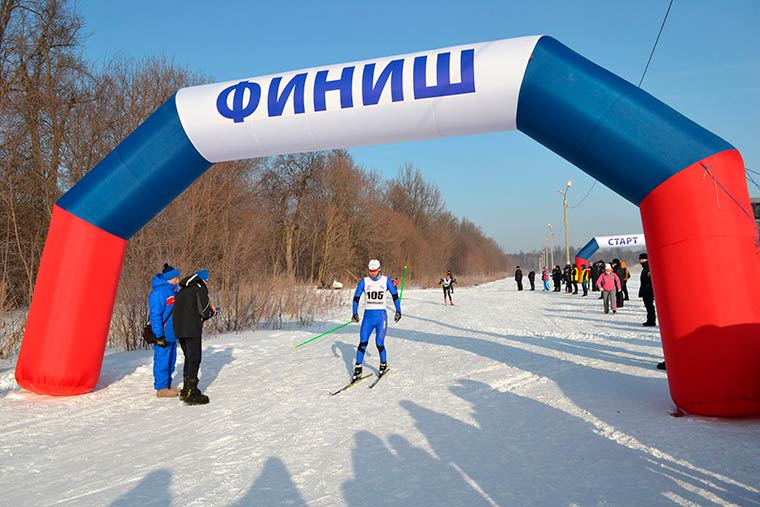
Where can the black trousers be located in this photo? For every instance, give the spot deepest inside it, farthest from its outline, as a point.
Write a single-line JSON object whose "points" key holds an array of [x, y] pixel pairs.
{"points": [[651, 314], [191, 347]]}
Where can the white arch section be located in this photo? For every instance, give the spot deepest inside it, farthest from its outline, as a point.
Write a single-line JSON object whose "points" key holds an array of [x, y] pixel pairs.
{"points": [[359, 103]]}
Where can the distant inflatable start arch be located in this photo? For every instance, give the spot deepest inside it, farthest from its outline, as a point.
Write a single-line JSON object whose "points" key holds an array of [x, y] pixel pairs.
{"points": [[650, 154], [583, 257]]}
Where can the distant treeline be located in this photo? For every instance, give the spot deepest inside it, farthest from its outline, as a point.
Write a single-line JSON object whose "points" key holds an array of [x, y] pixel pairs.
{"points": [[265, 228]]}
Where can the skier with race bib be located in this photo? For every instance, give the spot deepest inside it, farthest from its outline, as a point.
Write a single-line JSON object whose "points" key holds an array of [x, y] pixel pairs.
{"points": [[448, 287], [375, 319]]}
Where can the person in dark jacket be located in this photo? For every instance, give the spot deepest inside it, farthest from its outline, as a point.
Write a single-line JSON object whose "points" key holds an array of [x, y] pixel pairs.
{"points": [[191, 309], [532, 279], [160, 305], [598, 272], [646, 292], [567, 277], [557, 278], [518, 277], [594, 275], [618, 270]]}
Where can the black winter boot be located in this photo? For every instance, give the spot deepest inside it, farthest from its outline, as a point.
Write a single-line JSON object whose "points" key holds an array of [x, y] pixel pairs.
{"points": [[185, 389], [195, 396]]}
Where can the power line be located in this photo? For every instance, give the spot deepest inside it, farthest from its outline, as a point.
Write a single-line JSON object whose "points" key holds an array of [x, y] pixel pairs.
{"points": [[655, 43], [587, 194], [662, 26], [736, 201], [750, 178]]}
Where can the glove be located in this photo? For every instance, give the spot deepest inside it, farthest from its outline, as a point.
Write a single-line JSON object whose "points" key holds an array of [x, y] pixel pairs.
{"points": [[397, 317], [161, 341], [355, 317]]}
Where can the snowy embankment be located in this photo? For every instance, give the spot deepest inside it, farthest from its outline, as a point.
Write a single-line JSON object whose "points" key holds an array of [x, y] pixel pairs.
{"points": [[509, 398]]}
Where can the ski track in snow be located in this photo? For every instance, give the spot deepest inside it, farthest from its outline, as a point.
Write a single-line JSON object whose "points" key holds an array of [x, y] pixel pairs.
{"points": [[508, 398]]}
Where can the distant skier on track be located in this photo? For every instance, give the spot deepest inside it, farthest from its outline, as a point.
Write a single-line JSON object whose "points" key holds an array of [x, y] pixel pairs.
{"points": [[375, 319], [448, 287]]}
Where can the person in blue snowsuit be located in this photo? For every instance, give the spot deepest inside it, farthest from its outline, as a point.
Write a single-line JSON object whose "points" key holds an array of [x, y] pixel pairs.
{"points": [[161, 304], [375, 319]]}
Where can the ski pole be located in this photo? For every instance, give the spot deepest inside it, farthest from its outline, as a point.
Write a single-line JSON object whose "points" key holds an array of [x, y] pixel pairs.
{"points": [[403, 278], [326, 332]]}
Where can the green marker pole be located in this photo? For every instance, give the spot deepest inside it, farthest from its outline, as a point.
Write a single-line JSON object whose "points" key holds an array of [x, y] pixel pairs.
{"points": [[403, 278], [323, 334]]}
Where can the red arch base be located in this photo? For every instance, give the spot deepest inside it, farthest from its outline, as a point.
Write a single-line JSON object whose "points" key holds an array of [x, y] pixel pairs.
{"points": [[67, 327], [705, 264]]}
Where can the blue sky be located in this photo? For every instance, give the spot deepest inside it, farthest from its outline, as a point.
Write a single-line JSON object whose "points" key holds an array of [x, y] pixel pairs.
{"points": [[706, 66]]}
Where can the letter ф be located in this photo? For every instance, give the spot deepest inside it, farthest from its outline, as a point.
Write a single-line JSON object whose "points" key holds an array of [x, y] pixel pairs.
{"points": [[239, 110]]}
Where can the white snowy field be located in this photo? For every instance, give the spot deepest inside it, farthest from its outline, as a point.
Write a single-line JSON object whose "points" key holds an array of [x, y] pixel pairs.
{"points": [[509, 398]]}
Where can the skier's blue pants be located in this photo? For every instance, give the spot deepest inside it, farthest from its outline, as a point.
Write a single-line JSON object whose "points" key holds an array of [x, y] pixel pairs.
{"points": [[377, 321], [164, 359]]}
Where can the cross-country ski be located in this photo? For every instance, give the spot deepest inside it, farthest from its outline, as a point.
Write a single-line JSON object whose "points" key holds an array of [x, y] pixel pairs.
{"points": [[350, 385], [377, 379]]}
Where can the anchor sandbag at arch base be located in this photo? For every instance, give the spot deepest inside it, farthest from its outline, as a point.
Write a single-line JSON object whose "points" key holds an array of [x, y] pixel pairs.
{"points": [[622, 136]]}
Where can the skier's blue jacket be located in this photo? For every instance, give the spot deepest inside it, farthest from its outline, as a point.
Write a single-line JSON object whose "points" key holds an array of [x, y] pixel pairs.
{"points": [[161, 304]]}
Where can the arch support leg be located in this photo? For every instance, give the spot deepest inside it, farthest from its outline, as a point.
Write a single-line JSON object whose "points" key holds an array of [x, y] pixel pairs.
{"points": [[705, 263]]}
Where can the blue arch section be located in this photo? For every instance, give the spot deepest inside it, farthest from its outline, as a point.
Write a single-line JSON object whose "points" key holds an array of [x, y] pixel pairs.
{"points": [[614, 131], [139, 178], [588, 249]]}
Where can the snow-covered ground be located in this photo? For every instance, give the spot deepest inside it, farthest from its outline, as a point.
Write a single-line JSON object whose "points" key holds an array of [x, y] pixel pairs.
{"points": [[509, 398]]}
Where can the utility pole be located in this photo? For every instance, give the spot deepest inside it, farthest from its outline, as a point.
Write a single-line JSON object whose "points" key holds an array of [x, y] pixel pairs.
{"points": [[551, 245], [564, 206]]}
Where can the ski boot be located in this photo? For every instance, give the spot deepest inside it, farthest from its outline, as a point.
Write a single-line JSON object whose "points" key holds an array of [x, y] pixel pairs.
{"points": [[383, 368], [357, 373]]}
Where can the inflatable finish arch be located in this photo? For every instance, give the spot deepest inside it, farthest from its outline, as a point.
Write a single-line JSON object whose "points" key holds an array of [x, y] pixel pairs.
{"points": [[604, 242], [647, 152]]}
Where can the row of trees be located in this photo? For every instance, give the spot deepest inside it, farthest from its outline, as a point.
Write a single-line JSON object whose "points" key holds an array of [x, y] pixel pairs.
{"points": [[265, 228]]}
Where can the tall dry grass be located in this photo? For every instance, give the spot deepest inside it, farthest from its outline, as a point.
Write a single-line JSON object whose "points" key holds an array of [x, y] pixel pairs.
{"points": [[269, 304]]}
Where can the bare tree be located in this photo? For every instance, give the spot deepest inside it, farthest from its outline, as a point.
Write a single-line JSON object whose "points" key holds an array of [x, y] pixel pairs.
{"points": [[288, 183], [42, 73], [411, 195]]}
